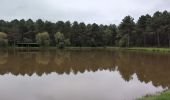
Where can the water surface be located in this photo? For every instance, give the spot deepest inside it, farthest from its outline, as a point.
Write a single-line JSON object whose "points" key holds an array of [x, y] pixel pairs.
{"points": [[81, 75]]}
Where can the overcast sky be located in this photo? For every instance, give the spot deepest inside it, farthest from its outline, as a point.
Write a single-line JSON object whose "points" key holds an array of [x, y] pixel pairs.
{"points": [[88, 11]]}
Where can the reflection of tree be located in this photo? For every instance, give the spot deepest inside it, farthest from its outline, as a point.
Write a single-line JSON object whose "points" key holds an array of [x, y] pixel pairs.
{"points": [[3, 57], [124, 63], [61, 57], [43, 57], [148, 67]]}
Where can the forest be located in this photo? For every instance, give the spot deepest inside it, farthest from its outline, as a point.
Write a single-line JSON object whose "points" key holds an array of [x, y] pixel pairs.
{"points": [[147, 31]]}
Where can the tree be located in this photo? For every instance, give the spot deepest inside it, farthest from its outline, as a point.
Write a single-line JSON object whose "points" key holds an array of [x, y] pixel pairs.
{"points": [[30, 25], [3, 39], [109, 34], [61, 42], [96, 35], [107, 37], [60, 26], [43, 39], [22, 29], [156, 23], [75, 35], [113, 29], [3, 27], [39, 25], [14, 25], [142, 29], [59, 37], [82, 33], [165, 29], [67, 29], [126, 29]]}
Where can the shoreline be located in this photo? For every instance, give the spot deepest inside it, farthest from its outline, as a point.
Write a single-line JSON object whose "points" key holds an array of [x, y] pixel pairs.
{"points": [[141, 49], [159, 96]]}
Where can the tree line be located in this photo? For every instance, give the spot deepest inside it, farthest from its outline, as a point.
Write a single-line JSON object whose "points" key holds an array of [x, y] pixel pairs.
{"points": [[148, 31]]}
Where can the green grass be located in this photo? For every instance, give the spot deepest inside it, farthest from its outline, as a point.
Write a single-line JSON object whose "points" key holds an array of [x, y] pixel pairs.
{"points": [[141, 49], [162, 96], [123, 49], [150, 49]]}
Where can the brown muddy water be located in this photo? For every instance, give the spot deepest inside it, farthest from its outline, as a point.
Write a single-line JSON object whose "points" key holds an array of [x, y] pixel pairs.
{"points": [[82, 75]]}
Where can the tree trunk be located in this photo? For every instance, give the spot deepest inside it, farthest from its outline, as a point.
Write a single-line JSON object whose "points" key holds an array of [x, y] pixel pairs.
{"points": [[158, 39], [169, 39], [144, 40], [128, 41], [128, 44]]}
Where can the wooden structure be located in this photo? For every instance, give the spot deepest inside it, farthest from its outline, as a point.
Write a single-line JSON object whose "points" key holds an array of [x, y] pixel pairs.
{"points": [[27, 45]]}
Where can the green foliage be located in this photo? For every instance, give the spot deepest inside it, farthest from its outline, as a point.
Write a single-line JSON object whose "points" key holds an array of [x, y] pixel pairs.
{"points": [[163, 96], [3, 35], [143, 29], [61, 45], [123, 41], [126, 29], [148, 31], [107, 37], [60, 40], [43, 39], [59, 37], [67, 42], [3, 39]]}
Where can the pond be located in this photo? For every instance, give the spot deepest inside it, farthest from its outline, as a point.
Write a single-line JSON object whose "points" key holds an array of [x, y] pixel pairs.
{"points": [[81, 74]]}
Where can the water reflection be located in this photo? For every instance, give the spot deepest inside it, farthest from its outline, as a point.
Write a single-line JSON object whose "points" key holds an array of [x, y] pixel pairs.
{"points": [[3, 57], [43, 57], [146, 69]]}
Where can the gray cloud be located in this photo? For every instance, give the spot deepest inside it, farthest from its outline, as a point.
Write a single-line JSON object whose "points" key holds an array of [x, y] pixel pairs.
{"points": [[89, 11]]}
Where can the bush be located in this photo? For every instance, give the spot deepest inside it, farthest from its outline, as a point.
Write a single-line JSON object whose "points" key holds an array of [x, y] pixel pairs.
{"points": [[43, 39], [3, 39], [61, 45]]}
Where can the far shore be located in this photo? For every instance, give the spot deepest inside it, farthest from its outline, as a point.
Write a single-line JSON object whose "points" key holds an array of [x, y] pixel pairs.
{"points": [[141, 49]]}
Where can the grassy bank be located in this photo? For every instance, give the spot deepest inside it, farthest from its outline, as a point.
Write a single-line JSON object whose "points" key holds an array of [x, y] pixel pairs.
{"points": [[162, 96], [161, 50], [149, 49]]}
